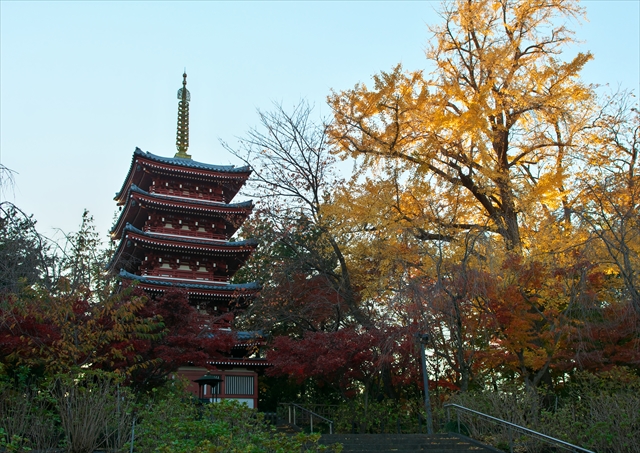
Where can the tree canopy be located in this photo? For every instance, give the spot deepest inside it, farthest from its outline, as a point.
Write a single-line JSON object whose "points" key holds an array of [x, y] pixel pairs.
{"points": [[492, 205], [60, 311]]}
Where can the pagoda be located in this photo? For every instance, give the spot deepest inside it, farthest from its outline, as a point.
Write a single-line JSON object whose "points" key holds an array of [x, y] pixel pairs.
{"points": [[174, 230]]}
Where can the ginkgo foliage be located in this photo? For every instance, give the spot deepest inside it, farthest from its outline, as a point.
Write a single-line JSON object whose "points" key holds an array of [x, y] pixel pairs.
{"points": [[484, 168], [490, 134], [493, 205]]}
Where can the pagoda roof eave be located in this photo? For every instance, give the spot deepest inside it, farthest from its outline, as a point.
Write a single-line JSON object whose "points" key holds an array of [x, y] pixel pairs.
{"points": [[192, 201], [223, 290], [180, 243], [190, 163], [184, 167], [211, 208], [250, 335], [222, 246], [258, 363]]}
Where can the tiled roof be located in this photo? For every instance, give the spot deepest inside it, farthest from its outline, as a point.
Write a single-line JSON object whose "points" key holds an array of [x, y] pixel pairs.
{"points": [[244, 204], [240, 362], [189, 163], [249, 335], [182, 166], [190, 240], [179, 242], [253, 286], [169, 202]]}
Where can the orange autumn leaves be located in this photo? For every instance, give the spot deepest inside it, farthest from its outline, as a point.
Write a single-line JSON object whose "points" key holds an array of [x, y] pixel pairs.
{"points": [[492, 204], [501, 162]]}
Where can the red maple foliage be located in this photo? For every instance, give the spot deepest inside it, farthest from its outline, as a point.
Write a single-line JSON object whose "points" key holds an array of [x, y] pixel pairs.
{"points": [[144, 338], [346, 358], [188, 337]]}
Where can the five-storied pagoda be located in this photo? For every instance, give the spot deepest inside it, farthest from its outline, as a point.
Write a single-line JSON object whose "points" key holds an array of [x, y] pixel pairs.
{"points": [[174, 230]]}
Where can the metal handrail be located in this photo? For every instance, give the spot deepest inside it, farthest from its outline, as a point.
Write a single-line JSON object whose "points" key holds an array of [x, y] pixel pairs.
{"points": [[522, 429], [311, 413]]}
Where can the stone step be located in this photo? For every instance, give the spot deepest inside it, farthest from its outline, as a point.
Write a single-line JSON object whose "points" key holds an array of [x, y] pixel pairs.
{"points": [[405, 443]]}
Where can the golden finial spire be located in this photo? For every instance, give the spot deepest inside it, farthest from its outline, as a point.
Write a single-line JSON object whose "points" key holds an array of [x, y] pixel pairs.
{"points": [[182, 137]]}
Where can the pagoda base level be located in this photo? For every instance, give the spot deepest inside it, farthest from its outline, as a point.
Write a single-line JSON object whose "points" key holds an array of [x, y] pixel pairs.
{"points": [[238, 383]]}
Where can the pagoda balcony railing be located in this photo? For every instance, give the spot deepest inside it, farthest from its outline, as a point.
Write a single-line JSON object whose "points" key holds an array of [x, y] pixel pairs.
{"points": [[186, 233], [186, 275]]}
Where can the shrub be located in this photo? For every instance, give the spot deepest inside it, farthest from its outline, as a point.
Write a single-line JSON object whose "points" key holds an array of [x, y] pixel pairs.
{"points": [[28, 419], [387, 416], [95, 410], [80, 411], [600, 412], [174, 423], [595, 411], [511, 403]]}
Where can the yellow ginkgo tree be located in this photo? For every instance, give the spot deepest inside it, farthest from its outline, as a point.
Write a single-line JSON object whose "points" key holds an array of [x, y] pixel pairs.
{"points": [[492, 147], [491, 131]]}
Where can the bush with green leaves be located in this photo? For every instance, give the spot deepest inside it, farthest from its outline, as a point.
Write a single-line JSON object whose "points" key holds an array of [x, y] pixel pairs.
{"points": [[79, 412], [599, 411], [94, 408], [173, 422], [28, 416], [387, 416]]}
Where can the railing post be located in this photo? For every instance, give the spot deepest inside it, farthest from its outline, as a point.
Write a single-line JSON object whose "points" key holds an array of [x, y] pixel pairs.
{"points": [[306, 413], [133, 433], [422, 342], [510, 440], [458, 418]]}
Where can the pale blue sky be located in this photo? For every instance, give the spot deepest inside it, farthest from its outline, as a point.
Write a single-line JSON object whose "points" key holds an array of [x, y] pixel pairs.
{"points": [[83, 83]]}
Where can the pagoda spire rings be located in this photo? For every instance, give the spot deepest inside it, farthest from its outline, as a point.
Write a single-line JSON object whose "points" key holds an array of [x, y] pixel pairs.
{"points": [[182, 136]]}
